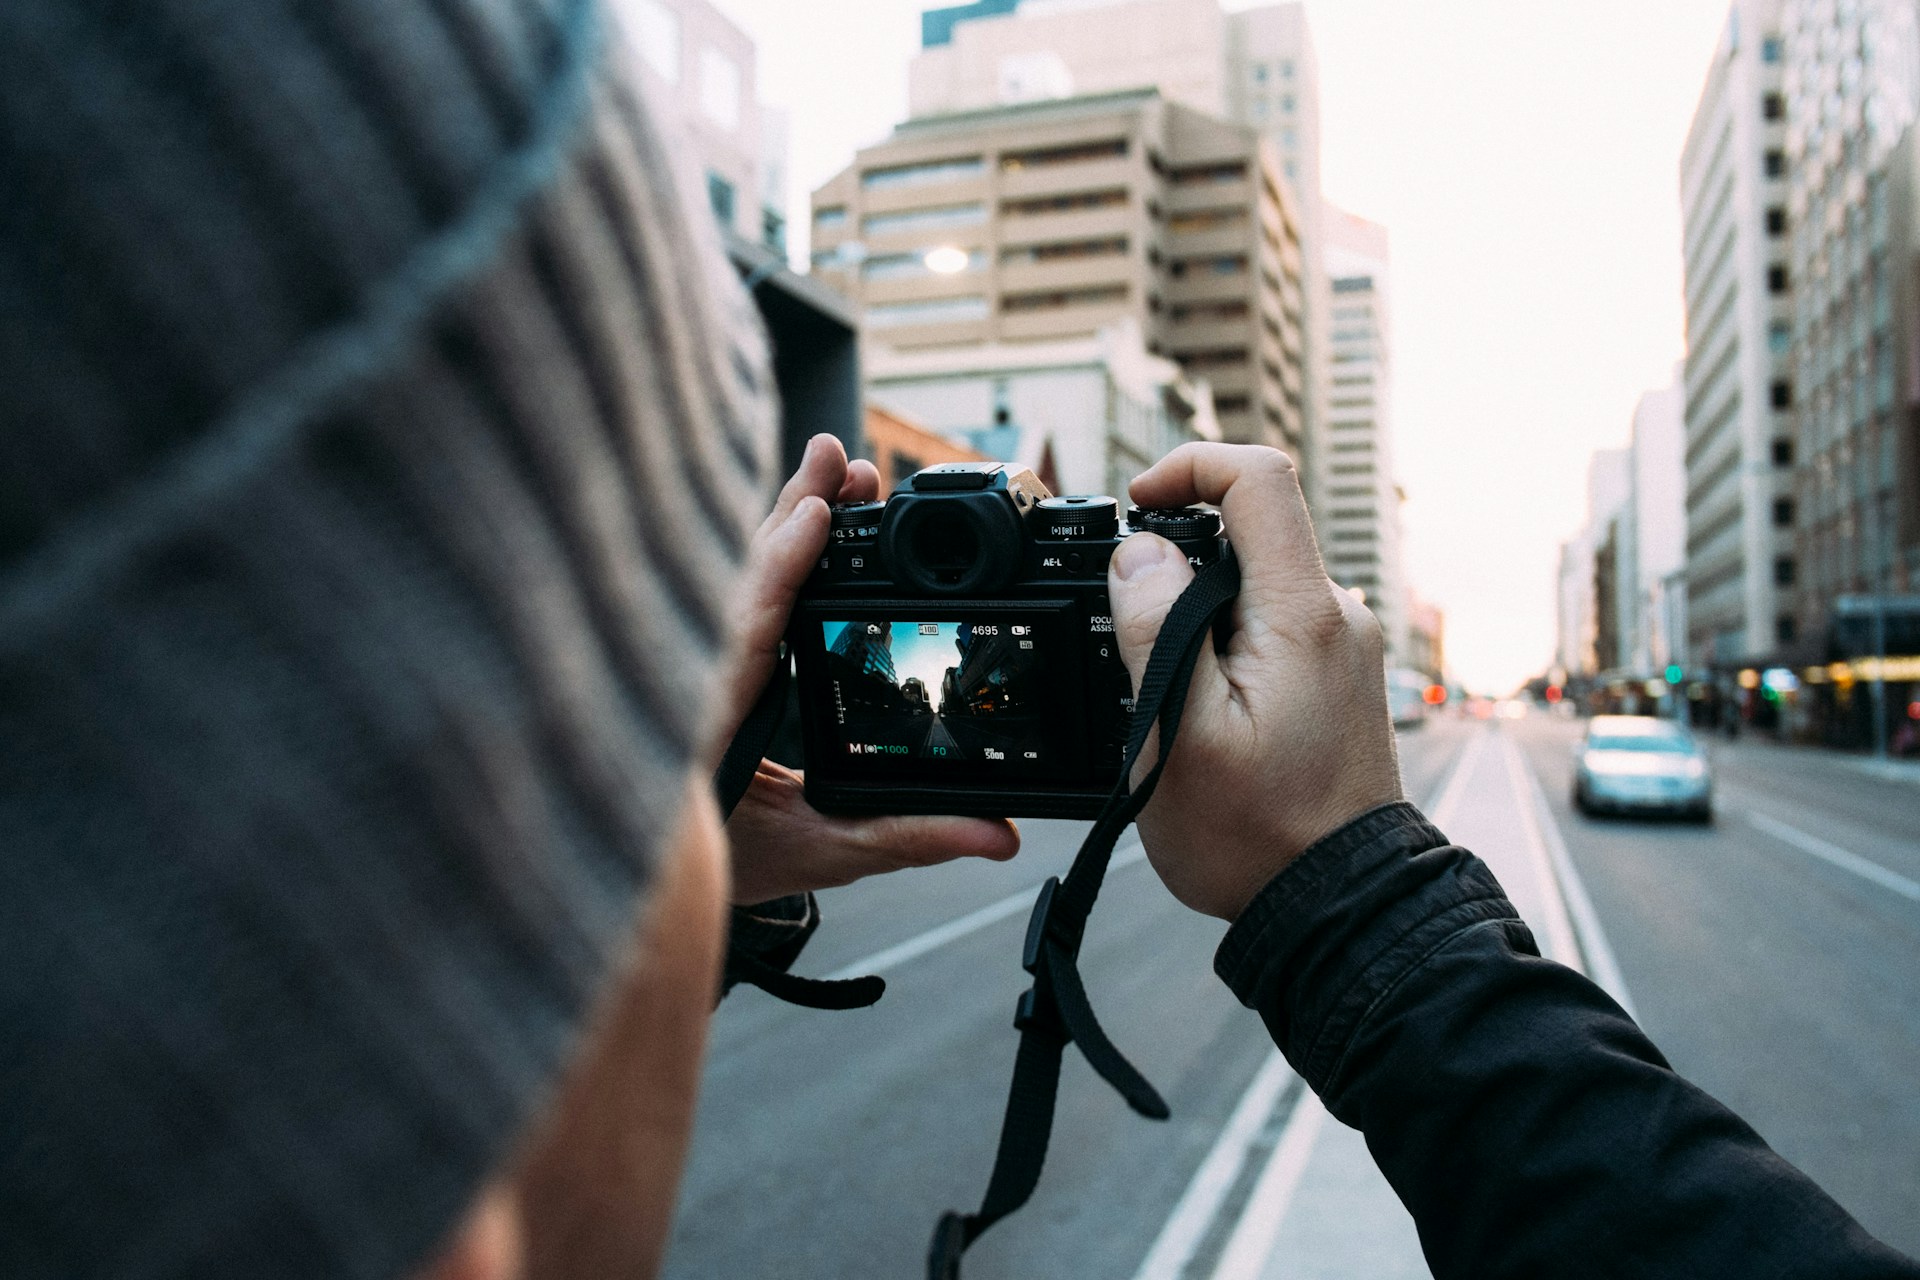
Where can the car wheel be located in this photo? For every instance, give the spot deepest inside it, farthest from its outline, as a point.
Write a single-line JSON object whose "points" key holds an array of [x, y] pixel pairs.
{"points": [[1580, 799], [1704, 815]]}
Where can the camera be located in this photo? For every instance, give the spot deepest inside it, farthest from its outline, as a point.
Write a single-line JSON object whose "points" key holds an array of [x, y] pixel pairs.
{"points": [[955, 649]]}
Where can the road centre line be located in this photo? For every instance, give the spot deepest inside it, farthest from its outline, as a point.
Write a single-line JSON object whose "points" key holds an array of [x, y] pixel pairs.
{"points": [[953, 930], [1562, 945], [1205, 1200], [1832, 854], [1601, 963]]}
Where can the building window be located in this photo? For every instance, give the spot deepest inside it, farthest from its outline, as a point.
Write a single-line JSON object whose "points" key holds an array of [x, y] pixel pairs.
{"points": [[773, 229], [1786, 629], [720, 88], [1212, 358], [1777, 278], [1286, 102], [1228, 264], [939, 216], [1781, 394], [929, 311], [720, 196], [1772, 49], [1064, 251], [1232, 404], [1773, 106], [657, 31], [1232, 309], [1209, 173], [1783, 571], [924, 174], [1353, 284], [1782, 452], [1070, 203], [830, 217], [912, 266], [1776, 221], [1286, 69], [1207, 219], [1078, 153], [1053, 300], [904, 464], [1259, 73], [1780, 337], [1776, 163], [1783, 513]]}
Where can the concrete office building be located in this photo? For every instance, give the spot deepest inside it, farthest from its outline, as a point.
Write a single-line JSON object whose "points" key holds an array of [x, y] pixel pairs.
{"points": [[1739, 387], [1853, 93], [1086, 414], [698, 62], [1359, 515], [1056, 219], [1652, 536], [1588, 589], [1256, 67]]}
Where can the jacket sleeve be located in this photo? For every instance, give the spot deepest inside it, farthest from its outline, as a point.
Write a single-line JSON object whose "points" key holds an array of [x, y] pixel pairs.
{"points": [[1526, 1122]]}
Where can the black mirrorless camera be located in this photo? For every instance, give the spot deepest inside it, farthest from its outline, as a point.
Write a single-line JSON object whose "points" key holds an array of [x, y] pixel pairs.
{"points": [[955, 647]]}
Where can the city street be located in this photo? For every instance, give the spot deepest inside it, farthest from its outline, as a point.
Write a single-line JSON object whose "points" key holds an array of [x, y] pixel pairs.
{"points": [[1770, 956]]}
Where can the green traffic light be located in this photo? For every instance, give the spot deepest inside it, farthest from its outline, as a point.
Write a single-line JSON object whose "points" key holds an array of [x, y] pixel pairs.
{"points": [[1675, 675]]}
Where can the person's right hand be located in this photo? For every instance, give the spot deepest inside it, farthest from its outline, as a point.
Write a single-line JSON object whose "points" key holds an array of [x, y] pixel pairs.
{"points": [[1286, 735]]}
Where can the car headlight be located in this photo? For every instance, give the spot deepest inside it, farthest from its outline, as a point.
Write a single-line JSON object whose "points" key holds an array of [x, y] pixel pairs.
{"points": [[1695, 769]]}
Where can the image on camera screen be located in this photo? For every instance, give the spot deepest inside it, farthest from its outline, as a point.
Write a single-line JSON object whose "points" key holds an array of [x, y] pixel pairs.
{"points": [[956, 691]]}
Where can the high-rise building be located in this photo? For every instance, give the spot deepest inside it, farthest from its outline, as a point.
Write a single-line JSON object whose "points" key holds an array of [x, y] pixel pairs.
{"points": [[1653, 536], [1588, 591], [1256, 67], [1739, 387], [1085, 415], [1852, 89], [697, 62], [1056, 219], [1359, 514]]}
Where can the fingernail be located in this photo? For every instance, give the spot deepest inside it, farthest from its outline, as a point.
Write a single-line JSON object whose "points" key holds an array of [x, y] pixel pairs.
{"points": [[1141, 552]]}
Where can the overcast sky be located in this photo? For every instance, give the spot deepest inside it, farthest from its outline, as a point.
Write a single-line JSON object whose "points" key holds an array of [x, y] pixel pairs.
{"points": [[1523, 155]]}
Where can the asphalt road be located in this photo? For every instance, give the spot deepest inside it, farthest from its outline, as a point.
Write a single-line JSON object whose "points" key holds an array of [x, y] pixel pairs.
{"points": [[829, 1143], [1786, 986]]}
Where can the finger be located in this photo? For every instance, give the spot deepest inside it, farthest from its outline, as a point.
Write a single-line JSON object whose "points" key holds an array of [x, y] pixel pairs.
{"points": [[1258, 493], [862, 483], [781, 562], [821, 474], [1144, 578], [924, 842]]}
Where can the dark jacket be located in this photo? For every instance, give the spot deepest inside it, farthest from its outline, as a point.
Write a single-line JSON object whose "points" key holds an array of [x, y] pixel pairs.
{"points": [[1526, 1122]]}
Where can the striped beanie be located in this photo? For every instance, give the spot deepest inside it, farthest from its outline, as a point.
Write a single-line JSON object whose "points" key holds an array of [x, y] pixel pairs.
{"points": [[380, 435]]}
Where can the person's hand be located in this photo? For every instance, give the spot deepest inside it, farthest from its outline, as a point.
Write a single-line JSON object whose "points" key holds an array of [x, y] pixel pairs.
{"points": [[780, 844], [1286, 735]]}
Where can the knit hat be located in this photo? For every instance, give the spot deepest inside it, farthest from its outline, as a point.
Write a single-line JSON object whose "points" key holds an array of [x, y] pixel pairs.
{"points": [[380, 433]]}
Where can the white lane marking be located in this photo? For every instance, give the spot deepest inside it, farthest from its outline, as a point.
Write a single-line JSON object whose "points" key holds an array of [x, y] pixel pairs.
{"points": [[1201, 1201], [1447, 799], [1251, 1243], [1834, 855], [1602, 965], [1561, 943], [953, 930]]}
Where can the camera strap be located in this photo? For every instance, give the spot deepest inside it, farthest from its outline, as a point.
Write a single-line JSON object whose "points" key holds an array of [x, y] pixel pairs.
{"points": [[1054, 1011], [730, 783]]}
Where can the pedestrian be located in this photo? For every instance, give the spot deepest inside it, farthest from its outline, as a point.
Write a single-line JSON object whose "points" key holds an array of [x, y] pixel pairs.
{"points": [[379, 582]]}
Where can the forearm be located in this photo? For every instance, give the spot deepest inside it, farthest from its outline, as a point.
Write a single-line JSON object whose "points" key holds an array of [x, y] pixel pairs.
{"points": [[1524, 1119]]}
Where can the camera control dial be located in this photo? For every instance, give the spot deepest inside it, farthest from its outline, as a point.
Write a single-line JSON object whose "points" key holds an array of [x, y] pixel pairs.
{"points": [[1179, 524], [1079, 518], [857, 521]]}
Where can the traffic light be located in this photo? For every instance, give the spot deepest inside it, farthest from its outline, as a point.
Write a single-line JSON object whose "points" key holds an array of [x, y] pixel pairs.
{"points": [[1674, 674]]}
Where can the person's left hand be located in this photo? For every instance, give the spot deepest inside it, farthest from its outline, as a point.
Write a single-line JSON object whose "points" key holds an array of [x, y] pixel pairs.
{"points": [[781, 845]]}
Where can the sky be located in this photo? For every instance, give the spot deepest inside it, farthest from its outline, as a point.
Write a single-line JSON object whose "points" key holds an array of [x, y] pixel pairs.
{"points": [[1524, 157]]}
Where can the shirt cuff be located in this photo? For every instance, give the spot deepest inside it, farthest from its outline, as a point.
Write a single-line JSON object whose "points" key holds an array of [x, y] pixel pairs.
{"points": [[1346, 920]]}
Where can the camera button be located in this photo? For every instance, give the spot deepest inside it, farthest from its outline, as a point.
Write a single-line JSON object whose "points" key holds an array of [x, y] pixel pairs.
{"points": [[1075, 562]]}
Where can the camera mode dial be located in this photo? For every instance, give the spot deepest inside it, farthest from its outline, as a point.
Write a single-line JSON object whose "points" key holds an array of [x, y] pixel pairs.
{"points": [[857, 521], [1177, 524], [1090, 518]]}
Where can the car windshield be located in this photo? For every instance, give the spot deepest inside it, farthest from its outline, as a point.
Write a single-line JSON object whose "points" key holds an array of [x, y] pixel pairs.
{"points": [[1668, 742]]}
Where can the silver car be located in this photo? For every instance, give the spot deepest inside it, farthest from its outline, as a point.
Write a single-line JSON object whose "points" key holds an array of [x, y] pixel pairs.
{"points": [[1631, 764]]}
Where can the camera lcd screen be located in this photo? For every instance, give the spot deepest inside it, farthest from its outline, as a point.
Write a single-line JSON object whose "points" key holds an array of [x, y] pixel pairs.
{"points": [[957, 693]]}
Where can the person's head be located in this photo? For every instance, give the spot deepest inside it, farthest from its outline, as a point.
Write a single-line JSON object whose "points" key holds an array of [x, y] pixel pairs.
{"points": [[383, 437]]}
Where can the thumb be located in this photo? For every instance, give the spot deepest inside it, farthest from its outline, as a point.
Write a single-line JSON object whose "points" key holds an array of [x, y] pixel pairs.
{"points": [[1144, 578]]}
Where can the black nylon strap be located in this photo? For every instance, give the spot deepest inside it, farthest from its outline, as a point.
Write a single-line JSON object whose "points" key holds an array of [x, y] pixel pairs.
{"points": [[1056, 1010], [730, 783]]}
